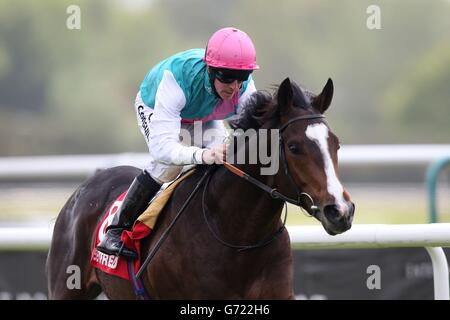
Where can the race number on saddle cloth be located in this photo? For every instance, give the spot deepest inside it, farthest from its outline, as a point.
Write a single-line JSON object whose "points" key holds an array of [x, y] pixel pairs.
{"points": [[117, 265]]}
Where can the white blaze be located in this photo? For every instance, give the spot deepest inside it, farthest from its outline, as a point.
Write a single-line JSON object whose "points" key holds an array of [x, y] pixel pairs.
{"points": [[318, 133]]}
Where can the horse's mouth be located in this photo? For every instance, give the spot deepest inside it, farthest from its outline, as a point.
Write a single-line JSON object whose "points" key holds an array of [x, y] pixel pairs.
{"points": [[333, 225], [336, 231]]}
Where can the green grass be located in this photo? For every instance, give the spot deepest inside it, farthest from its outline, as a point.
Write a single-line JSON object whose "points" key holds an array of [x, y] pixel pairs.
{"points": [[372, 206], [365, 213], [390, 215]]}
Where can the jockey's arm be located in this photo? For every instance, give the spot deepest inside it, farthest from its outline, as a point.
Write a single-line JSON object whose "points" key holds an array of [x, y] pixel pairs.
{"points": [[166, 124]]}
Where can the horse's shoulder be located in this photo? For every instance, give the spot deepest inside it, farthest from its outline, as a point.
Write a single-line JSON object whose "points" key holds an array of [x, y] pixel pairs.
{"points": [[192, 180]]}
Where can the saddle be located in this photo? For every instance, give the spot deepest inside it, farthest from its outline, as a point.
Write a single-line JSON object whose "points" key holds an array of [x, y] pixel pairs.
{"points": [[142, 228]]}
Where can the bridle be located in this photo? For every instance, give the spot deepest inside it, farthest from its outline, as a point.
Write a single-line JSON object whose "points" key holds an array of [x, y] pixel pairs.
{"points": [[300, 195], [274, 193]]}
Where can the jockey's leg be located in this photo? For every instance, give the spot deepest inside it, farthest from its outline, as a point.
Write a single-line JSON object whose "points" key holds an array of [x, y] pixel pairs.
{"points": [[148, 183], [141, 191]]}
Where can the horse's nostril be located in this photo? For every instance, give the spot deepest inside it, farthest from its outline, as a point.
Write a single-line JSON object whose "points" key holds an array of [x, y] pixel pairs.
{"points": [[332, 213]]}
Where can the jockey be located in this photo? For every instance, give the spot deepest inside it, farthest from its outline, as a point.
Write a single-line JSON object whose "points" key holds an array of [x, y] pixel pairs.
{"points": [[193, 87]]}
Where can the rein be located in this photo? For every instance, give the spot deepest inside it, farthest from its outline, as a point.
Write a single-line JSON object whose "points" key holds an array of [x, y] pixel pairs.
{"points": [[274, 193], [264, 242], [169, 228]]}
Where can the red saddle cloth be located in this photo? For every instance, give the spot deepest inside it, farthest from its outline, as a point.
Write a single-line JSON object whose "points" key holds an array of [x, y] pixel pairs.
{"points": [[117, 265]]}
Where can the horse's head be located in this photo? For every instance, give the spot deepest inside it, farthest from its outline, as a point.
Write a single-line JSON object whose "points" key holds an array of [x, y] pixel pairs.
{"points": [[308, 156], [307, 171]]}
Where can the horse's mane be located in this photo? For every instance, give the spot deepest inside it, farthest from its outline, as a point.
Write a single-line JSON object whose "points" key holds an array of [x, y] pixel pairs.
{"points": [[258, 109], [262, 107]]}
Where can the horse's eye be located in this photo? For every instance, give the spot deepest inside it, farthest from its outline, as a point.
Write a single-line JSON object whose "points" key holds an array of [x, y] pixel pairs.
{"points": [[294, 148]]}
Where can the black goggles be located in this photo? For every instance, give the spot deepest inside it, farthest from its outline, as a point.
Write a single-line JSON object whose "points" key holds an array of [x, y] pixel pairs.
{"points": [[230, 75]]}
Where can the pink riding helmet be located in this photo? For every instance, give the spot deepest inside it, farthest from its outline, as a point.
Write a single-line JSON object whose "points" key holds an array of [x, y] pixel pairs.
{"points": [[231, 48]]}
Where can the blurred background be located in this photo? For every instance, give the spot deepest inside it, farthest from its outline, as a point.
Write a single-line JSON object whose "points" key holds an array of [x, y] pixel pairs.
{"points": [[71, 91]]}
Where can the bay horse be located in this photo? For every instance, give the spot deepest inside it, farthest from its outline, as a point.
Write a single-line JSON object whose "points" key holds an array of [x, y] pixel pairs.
{"points": [[200, 259]]}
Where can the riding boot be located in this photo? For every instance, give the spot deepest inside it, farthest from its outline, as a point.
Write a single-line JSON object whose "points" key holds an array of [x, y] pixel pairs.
{"points": [[139, 194]]}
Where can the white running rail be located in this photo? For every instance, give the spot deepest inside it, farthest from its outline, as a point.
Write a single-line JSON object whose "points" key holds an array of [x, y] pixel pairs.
{"points": [[69, 166], [430, 236]]}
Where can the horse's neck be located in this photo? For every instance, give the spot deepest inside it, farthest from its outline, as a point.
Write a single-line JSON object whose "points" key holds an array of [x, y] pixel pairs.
{"points": [[241, 211]]}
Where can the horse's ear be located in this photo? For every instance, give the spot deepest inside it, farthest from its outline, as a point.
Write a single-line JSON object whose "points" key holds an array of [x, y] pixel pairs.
{"points": [[322, 101], [285, 94]]}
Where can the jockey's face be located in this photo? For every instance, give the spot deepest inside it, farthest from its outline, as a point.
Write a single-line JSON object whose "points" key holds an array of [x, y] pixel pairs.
{"points": [[226, 91]]}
